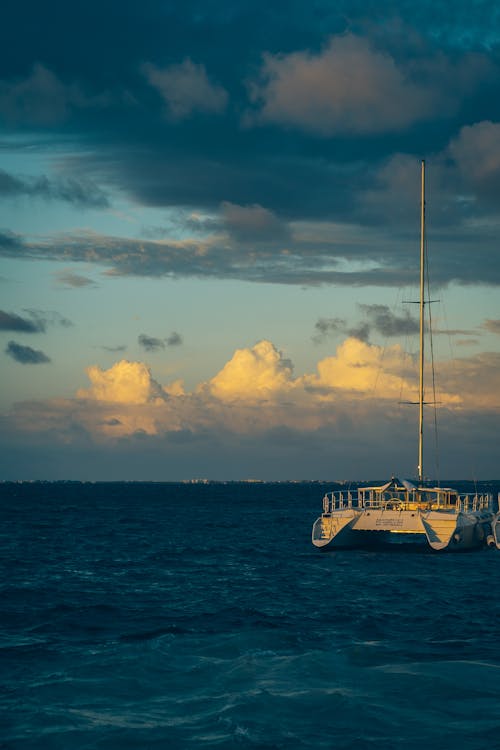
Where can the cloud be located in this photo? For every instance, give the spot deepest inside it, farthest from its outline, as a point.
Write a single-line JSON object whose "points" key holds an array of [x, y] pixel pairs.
{"points": [[476, 152], [186, 89], [326, 327], [83, 193], [175, 339], [393, 192], [74, 280], [365, 371], [350, 87], [383, 320], [152, 344], [123, 383], [10, 243], [119, 348], [357, 368], [476, 379], [379, 318], [46, 318], [252, 374], [253, 223], [40, 319], [25, 354], [254, 413], [42, 98], [317, 252], [13, 322], [149, 343], [126, 400], [493, 326]]}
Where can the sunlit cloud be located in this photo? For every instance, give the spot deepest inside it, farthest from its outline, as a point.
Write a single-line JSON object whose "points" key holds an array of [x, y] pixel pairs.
{"points": [[475, 380], [74, 280], [124, 383], [492, 326], [253, 374], [361, 370], [343, 420], [256, 392]]}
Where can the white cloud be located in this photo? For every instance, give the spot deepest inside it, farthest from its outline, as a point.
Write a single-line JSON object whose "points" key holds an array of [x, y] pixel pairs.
{"points": [[186, 88]]}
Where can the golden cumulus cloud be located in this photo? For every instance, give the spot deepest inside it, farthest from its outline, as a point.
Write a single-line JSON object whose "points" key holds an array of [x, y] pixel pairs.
{"points": [[362, 369], [252, 374], [124, 383], [256, 392]]}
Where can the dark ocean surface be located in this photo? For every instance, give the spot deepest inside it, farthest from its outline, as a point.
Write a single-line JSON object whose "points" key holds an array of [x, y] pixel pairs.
{"points": [[187, 616]]}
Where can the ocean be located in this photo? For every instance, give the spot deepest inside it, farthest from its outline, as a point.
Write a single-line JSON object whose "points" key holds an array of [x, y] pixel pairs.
{"points": [[182, 616]]}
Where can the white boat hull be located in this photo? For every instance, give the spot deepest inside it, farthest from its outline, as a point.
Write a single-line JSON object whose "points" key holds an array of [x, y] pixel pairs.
{"points": [[440, 530], [495, 531]]}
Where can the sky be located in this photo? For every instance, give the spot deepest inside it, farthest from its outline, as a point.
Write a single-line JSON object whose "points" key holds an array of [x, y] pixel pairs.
{"points": [[209, 239]]}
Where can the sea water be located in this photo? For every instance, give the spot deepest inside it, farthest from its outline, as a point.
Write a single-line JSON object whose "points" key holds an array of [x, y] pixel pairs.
{"points": [[188, 616]]}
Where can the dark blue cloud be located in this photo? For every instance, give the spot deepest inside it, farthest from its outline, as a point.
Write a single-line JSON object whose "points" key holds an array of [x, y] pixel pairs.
{"points": [[175, 339], [25, 354], [150, 343], [13, 322], [193, 106], [37, 321]]}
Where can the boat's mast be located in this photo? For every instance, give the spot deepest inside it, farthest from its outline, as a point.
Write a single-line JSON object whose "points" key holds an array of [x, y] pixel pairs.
{"points": [[422, 322]]}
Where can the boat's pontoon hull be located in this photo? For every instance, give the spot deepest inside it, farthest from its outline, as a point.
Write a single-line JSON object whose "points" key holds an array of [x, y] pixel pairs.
{"points": [[439, 518]]}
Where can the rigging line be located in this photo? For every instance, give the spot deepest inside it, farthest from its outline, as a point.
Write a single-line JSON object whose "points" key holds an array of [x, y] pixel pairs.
{"points": [[380, 362], [433, 370], [452, 412], [382, 354], [408, 353]]}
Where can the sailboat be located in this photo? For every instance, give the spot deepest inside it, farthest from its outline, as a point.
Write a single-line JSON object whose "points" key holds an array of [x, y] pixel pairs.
{"points": [[399, 510]]}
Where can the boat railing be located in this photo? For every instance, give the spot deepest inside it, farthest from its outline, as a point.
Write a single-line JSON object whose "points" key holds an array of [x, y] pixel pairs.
{"points": [[474, 503], [405, 500], [343, 500], [361, 499]]}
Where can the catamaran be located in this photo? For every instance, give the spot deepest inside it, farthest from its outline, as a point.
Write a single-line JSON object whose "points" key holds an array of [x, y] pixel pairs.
{"points": [[399, 510]]}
